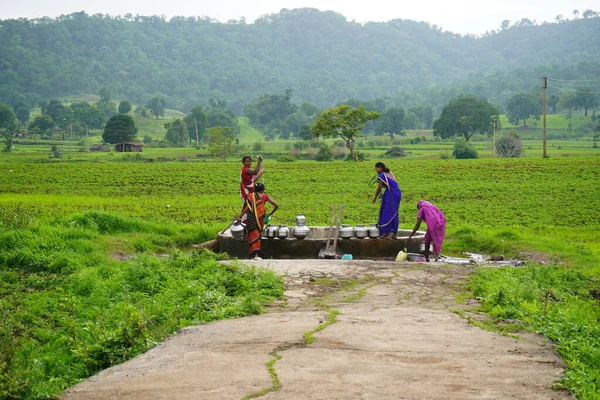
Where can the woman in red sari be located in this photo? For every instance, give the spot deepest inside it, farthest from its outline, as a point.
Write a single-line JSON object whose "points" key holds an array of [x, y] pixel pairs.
{"points": [[255, 211]]}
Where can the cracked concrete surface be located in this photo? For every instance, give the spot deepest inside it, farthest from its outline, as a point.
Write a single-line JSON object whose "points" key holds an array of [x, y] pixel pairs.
{"points": [[396, 336]]}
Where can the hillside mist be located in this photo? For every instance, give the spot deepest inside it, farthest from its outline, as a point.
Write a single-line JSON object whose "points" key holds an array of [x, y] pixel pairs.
{"points": [[322, 56]]}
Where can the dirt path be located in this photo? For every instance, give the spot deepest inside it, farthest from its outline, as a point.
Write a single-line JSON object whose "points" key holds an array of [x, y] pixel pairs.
{"points": [[381, 330]]}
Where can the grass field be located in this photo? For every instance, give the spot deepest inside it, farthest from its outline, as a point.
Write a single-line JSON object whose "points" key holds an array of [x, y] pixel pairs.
{"points": [[84, 283]]}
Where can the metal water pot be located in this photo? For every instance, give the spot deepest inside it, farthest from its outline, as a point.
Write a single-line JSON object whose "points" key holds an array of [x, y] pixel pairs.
{"points": [[373, 231], [346, 231], [271, 231], [360, 231], [283, 232], [237, 230], [301, 231], [300, 220]]}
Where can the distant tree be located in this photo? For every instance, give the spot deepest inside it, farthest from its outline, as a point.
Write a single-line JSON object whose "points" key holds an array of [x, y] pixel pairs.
{"points": [[119, 128], [124, 107], [8, 120], [157, 107], [177, 133], [88, 115], [566, 101], [391, 122], [22, 112], [197, 122], [589, 14], [221, 117], [42, 123], [505, 24], [553, 102], [509, 146], [522, 106], [270, 112], [294, 123], [343, 121], [220, 142], [465, 116], [60, 114], [576, 14], [141, 111], [585, 99], [105, 104]]}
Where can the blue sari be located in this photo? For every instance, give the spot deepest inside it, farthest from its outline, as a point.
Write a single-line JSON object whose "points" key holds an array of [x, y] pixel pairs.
{"points": [[390, 204]]}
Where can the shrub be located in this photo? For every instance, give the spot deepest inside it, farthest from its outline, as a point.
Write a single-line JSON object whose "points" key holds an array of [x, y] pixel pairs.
{"points": [[324, 153], [258, 146], [463, 150], [509, 146], [396, 151], [445, 155], [285, 158]]}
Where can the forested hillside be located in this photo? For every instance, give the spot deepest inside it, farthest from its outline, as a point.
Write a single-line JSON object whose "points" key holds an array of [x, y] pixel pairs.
{"points": [[321, 56]]}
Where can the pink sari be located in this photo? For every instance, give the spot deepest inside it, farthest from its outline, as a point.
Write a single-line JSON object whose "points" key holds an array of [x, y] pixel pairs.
{"points": [[436, 225]]}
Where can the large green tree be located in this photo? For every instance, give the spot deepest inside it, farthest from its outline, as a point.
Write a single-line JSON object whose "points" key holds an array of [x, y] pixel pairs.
{"points": [[177, 133], [124, 107], [522, 106], [60, 114], [465, 116], [196, 122], [391, 122], [343, 121], [22, 112], [8, 119], [43, 124], [105, 104], [156, 105], [585, 99], [119, 128], [270, 112]]}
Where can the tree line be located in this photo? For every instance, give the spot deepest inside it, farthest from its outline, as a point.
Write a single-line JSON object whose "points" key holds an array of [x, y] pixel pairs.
{"points": [[322, 56]]}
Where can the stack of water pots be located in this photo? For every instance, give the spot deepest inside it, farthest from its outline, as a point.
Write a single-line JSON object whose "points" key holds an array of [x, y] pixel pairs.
{"points": [[360, 232], [301, 230]]}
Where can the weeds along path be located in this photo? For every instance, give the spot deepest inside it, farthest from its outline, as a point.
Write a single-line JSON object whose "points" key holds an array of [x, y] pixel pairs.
{"points": [[347, 329]]}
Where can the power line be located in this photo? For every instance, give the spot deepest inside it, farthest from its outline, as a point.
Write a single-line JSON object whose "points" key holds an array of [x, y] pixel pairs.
{"points": [[573, 80], [570, 90]]}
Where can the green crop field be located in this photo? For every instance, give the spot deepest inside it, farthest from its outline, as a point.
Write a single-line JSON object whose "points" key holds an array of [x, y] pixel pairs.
{"points": [[82, 240]]}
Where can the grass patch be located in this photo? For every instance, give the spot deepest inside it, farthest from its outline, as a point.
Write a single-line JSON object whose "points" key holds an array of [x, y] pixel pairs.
{"points": [[555, 301], [331, 319]]}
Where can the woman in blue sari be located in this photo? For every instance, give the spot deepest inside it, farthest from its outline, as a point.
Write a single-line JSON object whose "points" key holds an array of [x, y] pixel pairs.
{"points": [[390, 201]]}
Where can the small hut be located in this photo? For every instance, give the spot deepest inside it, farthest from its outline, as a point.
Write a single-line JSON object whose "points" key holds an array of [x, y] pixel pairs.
{"points": [[127, 147]]}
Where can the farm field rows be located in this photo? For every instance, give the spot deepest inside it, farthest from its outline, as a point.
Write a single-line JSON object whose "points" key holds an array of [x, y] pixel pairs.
{"points": [[78, 241]]}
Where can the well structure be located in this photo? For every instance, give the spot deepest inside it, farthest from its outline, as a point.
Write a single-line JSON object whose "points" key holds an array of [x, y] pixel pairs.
{"points": [[315, 243]]}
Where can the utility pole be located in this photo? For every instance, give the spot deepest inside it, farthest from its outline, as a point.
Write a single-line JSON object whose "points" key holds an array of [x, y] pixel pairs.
{"points": [[196, 124], [71, 142], [494, 143], [544, 87]]}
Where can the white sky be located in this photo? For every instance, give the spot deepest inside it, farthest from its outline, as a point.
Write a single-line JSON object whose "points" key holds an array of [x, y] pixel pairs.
{"points": [[461, 16]]}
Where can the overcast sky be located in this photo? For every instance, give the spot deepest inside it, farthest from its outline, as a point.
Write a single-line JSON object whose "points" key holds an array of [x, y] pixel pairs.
{"points": [[462, 16]]}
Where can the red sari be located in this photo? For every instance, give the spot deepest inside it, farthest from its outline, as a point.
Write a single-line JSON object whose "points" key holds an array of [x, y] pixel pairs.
{"points": [[255, 211]]}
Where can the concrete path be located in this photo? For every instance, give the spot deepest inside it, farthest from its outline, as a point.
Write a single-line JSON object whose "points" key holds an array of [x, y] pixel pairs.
{"points": [[393, 333]]}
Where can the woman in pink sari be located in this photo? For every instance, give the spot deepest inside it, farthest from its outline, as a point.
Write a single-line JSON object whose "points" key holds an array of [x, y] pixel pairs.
{"points": [[436, 227]]}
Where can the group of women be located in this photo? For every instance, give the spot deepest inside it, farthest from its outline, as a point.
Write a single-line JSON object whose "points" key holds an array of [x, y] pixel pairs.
{"points": [[255, 215], [390, 205]]}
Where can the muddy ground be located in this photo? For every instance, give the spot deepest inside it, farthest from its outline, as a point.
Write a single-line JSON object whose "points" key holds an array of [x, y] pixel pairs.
{"points": [[381, 330]]}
